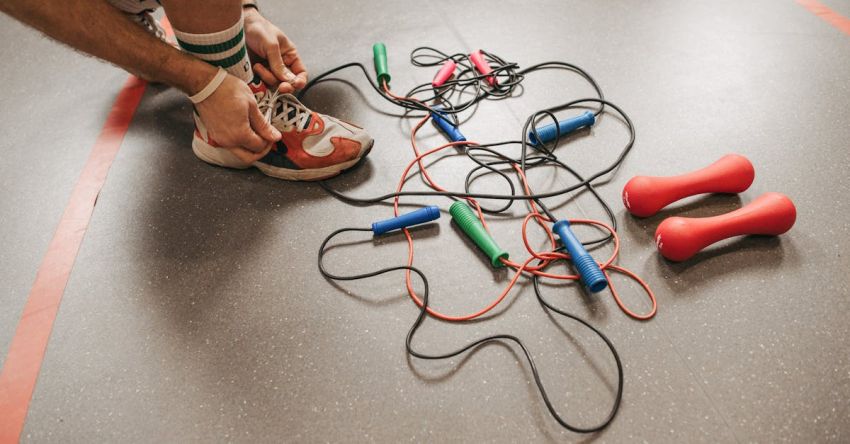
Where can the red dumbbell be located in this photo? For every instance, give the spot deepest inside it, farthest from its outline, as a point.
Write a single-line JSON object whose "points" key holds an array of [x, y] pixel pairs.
{"points": [[679, 238], [646, 195]]}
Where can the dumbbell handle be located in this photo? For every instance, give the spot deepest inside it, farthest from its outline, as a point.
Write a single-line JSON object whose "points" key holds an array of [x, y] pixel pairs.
{"points": [[646, 195], [679, 238]]}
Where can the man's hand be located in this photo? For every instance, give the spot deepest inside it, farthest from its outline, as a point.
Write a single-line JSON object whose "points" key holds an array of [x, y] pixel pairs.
{"points": [[234, 120], [267, 41]]}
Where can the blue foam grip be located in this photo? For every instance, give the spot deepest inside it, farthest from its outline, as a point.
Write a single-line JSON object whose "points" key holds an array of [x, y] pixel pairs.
{"points": [[549, 132], [446, 125], [589, 271], [416, 217]]}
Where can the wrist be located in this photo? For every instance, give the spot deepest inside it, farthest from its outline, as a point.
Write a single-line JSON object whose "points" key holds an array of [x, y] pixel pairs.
{"points": [[250, 14], [194, 76], [210, 88], [250, 5]]}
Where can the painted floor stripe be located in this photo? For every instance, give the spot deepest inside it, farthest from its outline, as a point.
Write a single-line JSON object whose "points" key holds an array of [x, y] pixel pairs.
{"points": [[26, 352], [828, 15], [23, 362]]}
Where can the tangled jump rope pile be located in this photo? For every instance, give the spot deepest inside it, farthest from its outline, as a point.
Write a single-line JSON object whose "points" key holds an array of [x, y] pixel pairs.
{"points": [[462, 82]]}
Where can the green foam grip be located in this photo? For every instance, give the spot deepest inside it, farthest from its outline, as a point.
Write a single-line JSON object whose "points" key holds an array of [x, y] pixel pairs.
{"points": [[379, 53], [466, 219]]}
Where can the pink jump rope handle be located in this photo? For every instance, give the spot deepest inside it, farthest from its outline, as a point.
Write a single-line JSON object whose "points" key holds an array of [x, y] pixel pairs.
{"points": [[483, 67], [646, 195], [444, 74], [679, 238]]}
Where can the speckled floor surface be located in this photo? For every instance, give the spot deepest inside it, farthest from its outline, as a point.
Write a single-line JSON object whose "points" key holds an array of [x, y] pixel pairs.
{"points": [[195, 311]]}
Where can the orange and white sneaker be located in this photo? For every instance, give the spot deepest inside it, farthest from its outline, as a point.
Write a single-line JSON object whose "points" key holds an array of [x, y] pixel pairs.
{"points": [[208, 150], [313, 146]]}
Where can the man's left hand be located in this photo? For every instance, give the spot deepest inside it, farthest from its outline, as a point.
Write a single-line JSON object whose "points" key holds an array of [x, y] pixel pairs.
{"points": [[284, 67]]}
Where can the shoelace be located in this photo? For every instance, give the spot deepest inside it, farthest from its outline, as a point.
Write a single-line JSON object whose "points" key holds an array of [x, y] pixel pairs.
{"points": [[285, 111]]}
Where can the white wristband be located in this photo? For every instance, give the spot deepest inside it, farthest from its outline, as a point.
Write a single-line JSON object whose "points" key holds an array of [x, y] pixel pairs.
{"points": [[210, 88]]}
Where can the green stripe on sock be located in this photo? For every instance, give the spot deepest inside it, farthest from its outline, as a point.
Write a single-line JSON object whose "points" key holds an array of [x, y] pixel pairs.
{"points": [[212, 49], [229, 61]]}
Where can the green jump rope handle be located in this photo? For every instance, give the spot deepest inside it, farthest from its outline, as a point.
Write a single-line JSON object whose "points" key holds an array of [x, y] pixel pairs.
{"points": [[379, 52], [466, 219]]}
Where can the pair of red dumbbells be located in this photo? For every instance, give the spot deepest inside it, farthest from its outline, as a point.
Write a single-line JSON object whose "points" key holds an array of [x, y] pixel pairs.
{"points": [[679, 238]]}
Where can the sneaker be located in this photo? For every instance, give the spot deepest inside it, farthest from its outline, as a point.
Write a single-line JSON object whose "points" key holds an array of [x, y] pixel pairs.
{"points": [[313, 146]]}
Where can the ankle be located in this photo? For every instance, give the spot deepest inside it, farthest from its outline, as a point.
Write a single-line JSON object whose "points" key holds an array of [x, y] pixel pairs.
{"points": [[225, 49]]}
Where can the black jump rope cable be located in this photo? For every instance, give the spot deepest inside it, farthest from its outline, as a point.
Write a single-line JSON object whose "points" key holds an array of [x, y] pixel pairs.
{"points": [[508, 76]]}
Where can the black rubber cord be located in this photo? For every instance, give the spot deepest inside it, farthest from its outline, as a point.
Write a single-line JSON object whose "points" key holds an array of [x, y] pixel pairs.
{"points": [[462, 93], [420, 319]]}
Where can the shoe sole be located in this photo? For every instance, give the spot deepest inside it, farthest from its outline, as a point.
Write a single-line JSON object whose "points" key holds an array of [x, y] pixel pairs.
{"points": [[223, 158]]}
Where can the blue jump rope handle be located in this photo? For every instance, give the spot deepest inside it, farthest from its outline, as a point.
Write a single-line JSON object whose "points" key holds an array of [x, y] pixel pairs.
{"points": [[549, 132], [419, 216], [446, 125], [591, 275]]}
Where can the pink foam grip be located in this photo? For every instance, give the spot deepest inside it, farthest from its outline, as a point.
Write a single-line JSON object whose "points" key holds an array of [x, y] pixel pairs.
{"points": [[646, 195], [679, 238], [445, 73], [482, 66]]}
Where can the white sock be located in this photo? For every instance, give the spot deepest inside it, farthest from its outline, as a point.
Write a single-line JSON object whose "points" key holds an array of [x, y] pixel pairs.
{"points": [[224, 48]]}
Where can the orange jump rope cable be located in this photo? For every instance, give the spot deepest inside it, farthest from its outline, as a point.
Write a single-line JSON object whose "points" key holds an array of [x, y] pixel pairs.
{"points": [[545, 258]]}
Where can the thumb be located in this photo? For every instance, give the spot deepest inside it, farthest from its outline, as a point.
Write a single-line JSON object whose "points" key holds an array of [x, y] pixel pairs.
{"points": [[261, 126], [249, 157], [278, 67]]}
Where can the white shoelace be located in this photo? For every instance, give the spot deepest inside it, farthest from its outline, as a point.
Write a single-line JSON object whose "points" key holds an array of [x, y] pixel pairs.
{"points": [[284, 111]]}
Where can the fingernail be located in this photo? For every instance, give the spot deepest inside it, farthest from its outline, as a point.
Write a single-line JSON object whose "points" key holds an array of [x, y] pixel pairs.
{"points": [[289, 75]]}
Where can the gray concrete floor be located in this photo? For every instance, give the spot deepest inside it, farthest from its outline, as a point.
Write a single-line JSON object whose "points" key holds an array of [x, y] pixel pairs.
{"points": [[195, 311]]}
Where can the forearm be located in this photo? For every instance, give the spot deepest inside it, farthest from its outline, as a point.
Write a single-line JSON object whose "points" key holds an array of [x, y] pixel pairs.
{"points": [[96, 28]]}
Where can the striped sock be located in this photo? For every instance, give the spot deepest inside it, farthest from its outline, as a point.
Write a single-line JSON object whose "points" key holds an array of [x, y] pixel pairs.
{"points": [[224, 48]]}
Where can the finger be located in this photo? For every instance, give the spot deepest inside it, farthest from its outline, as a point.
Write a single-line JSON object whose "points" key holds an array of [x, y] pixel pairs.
{"points": [[293, 61], [300, 78], [250, 140], [261, 126], [300, 81], [276, 64], [289, 75], [286, 88], [242, 154], [249, 156], [291, 57], [265, 75]]}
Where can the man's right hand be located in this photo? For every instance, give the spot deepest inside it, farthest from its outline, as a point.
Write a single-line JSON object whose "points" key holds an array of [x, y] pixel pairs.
{"points": [[235, 122]]}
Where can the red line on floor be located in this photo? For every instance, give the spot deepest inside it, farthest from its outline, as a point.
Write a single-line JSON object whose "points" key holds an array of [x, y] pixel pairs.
{"points": [[23, 362], [828, 15], [26, 352]]}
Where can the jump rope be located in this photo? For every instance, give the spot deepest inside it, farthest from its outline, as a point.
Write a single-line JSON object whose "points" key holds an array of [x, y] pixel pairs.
{"points": [[462, 82]]}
